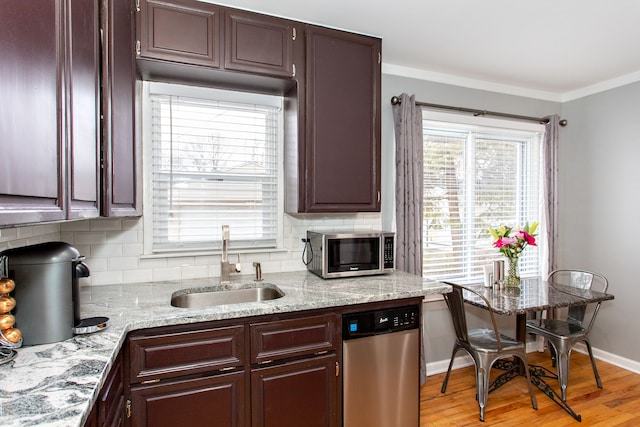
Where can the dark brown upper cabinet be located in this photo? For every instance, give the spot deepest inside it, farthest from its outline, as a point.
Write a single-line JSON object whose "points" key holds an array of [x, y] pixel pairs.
{"points": [[188, 41], [84, 109], [334, 163], [121, 154], [330, 80], [182, 31], [258, 43], [49, 116]]}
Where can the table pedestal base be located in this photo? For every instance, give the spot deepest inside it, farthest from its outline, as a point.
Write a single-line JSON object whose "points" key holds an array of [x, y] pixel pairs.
{"points": [[513, 369]]}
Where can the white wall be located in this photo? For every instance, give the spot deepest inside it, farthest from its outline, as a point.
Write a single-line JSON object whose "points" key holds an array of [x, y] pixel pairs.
{"points": [[598, 194]]}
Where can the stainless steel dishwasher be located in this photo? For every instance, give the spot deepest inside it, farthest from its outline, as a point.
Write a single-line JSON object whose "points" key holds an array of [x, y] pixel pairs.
{"points": [[381, 368]]}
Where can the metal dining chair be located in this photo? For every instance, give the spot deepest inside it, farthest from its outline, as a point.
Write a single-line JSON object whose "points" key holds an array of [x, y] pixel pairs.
{"points": [[563, 329], [484, 345]]}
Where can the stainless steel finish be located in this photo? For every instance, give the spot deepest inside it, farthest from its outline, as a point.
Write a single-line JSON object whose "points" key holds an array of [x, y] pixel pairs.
{"points": [[207, 298], [91, 325], [498, 273], [318, 242], [258, 272], [380, 380], [225, 243], [226, 268]]}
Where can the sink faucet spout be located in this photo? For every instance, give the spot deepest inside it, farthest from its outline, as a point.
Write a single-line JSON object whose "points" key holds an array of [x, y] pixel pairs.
{"points": [[226, 268], [225, 243]]}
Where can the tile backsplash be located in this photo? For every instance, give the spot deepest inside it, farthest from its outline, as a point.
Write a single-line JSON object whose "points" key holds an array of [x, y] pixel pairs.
{"points": [[114, 248]]}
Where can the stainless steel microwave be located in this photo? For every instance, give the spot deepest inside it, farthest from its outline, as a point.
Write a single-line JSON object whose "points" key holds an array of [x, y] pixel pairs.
{"points": [[350, 254]]}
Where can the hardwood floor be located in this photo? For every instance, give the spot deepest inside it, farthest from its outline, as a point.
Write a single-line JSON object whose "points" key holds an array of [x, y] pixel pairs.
{"points": [[616, 404]]}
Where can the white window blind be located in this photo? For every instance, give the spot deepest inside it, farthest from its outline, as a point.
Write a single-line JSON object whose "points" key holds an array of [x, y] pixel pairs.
{"points": [[213, 162], [476, 177]]}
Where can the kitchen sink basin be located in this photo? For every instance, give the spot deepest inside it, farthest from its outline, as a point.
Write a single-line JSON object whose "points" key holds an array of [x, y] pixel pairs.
{"points": [[206, 297]]}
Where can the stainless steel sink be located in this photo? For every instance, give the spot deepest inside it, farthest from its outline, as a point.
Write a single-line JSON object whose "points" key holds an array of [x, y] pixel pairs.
{"points": [[206, 297]]}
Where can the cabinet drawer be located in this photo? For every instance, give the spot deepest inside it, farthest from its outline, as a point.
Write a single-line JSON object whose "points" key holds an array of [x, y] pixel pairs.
{"points": [[292, 338], [184, 353]]}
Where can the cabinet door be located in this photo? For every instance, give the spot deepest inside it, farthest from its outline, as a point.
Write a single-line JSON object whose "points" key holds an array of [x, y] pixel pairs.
{"points": [[121, 168], [32, 178], [182, 31], [83, 130], [216, 401], [258, 44], [342, 122], [300, 393], [111, 397]]}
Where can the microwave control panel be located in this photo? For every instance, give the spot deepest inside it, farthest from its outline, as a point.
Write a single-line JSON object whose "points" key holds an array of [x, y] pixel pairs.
{"points": [[388, 252]]}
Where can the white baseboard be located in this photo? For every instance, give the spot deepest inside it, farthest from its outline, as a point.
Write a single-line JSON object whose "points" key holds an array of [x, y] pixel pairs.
{"points": [[464, 360], [614, 359]]}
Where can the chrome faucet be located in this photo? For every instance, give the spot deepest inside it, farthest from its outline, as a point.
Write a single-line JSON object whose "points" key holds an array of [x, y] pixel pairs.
{"points": [[258, 272], [226, 268]]}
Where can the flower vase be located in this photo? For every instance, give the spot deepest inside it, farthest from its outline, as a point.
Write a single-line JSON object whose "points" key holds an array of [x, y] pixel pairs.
{"points": [[513, 275]]}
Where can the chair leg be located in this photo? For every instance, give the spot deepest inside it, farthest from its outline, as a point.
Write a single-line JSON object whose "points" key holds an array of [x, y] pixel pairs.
{"points": [[563, 372], [593, 364], [482, 386], [534, 401], [446, 377], [552, 352]]}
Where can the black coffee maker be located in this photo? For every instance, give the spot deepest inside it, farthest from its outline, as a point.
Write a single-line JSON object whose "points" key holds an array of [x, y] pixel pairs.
{"points": [[47, 292]]}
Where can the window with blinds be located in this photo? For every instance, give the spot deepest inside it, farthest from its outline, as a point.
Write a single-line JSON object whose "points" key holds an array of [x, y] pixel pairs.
{"points": [[213, 162], [476, 177]]}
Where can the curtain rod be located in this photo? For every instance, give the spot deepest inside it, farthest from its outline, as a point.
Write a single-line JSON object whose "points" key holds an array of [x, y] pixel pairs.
{"points": [[395, 100]]}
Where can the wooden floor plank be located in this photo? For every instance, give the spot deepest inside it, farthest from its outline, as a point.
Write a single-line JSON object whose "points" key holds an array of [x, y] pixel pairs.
{"points": [[617, 404]]}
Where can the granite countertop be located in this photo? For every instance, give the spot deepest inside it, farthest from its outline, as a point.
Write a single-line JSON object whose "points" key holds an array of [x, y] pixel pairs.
{"points": [[57, 384]]}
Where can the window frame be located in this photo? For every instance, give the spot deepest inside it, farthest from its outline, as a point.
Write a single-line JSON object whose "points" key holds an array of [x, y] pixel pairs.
{"points": [[508, 125], [148, 88]]}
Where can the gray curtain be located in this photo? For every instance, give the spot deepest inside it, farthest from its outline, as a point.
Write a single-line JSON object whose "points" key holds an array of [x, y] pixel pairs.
{"points": [[550, 158], [407, 118]]}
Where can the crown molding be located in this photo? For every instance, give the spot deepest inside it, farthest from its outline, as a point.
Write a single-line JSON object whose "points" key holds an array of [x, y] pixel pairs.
{"points": [[450, 79], [601, 87]]}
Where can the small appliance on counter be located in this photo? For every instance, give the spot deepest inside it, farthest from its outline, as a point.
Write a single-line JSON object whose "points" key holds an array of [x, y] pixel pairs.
{"points": [[337, 254], [47, 292]]}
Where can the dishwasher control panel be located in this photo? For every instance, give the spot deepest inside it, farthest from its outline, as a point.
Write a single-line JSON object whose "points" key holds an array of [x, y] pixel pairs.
{"points": [[367, 323]]}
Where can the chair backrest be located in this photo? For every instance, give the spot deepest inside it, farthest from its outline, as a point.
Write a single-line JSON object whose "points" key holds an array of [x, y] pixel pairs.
{"points": [[581, 279], [455, 303]]}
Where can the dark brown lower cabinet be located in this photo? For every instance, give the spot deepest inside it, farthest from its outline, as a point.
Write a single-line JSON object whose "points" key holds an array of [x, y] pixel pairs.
{"points": [[214, 401], [111, 399], [109, 410], [280, 370], [294, 394]]}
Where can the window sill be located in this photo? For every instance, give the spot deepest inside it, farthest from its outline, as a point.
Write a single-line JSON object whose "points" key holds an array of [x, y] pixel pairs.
{"points": [[211, 253]]}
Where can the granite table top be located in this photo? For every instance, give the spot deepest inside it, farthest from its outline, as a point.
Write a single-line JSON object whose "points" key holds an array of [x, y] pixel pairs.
{"points": [[533, 294], [57, 384]]}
